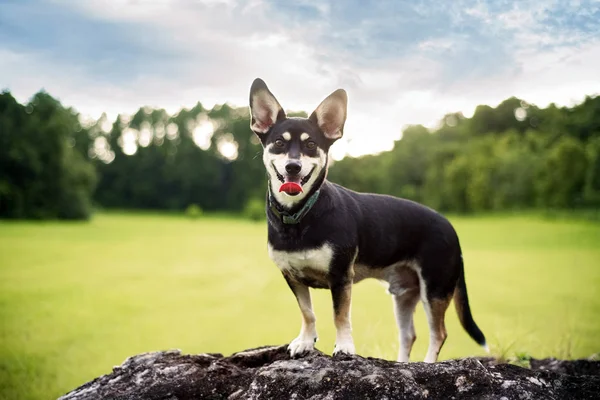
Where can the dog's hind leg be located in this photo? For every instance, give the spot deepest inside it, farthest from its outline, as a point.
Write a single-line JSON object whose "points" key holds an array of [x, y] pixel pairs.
{"points": [[308, 332], [435, 310], [438, 274], [404, 287], [404, 308]]}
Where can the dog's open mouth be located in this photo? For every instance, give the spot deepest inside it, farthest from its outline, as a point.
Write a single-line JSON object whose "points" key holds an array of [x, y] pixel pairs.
{"points": [[291, 186]]}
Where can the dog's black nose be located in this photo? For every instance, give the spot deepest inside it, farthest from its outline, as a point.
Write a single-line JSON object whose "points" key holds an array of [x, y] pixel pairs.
{"points": [[293, 167]]}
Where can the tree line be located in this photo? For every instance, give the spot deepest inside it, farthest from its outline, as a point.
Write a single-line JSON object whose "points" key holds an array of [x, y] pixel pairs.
{"points": [[513, 156]]}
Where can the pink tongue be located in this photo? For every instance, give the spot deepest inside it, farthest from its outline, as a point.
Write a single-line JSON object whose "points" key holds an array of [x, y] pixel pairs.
{"points": [[291, 188]]}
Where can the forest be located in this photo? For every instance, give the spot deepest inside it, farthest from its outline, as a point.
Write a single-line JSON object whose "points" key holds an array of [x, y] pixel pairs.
{"points": [[54, 165]]}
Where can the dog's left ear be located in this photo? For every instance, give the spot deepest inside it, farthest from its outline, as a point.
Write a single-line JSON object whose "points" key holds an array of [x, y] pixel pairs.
{"points": [[330, 115], [264, 108]]}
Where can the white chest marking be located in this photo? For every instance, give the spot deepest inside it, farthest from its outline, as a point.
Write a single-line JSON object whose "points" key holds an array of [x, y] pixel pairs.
{"points": [[314, 259]]}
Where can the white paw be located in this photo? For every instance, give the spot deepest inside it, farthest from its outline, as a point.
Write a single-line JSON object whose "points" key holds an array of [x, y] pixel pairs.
{"points": [[402, 358], [344, 347], [301, 345], [430, 358]]}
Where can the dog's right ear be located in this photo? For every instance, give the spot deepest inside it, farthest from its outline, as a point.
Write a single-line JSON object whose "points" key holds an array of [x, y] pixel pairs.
{"points": [[265, 110]]}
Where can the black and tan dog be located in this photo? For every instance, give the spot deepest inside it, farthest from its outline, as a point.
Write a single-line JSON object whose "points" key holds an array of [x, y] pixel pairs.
{"points": [[322, 235]]}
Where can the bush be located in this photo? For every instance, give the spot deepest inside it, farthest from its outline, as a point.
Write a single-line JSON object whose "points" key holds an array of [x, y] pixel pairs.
{"points": [[255, 210], [193, 211]]}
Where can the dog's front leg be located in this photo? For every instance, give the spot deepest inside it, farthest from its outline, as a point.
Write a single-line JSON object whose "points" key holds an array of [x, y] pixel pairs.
{"points": [[342, 295], [341, 279], [308, 332]]}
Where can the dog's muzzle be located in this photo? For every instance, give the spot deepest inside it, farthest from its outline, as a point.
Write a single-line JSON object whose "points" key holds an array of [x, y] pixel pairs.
{"points": [[291, 182]]}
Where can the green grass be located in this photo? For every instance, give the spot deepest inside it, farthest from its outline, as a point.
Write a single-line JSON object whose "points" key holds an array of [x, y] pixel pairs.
{"points": [[78, 298]]}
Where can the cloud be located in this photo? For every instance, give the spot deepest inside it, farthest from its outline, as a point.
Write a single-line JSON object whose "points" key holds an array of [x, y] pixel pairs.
{"points": [[105, 50], [400, 62]]}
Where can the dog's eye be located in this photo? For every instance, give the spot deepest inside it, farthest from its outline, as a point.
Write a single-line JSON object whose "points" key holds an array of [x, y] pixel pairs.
{"points": [[311, 145], [279, 143]]}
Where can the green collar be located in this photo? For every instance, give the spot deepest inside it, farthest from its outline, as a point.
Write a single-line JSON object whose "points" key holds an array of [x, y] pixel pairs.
{"points": [[292, 219]]}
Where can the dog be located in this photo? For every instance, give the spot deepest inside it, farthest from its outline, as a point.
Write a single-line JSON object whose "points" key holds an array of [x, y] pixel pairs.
{"points": [[324, 236]]}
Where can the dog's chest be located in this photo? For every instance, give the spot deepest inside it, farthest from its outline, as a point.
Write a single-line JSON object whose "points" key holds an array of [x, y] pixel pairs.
{"points": [[310, 263]]}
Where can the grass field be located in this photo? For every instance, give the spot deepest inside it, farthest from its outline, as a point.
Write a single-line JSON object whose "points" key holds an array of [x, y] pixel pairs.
{"points": [[78, 298]]}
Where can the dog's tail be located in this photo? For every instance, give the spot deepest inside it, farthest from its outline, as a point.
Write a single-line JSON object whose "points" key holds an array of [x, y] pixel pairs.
{"points": [[461, 302]]}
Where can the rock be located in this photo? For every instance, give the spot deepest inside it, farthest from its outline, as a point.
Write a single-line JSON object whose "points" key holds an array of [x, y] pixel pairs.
{"points": [[269, 373], [576, 367]]}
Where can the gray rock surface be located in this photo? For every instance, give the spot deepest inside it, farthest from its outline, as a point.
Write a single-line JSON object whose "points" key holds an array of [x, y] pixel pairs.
{"points": [[269, 373]]}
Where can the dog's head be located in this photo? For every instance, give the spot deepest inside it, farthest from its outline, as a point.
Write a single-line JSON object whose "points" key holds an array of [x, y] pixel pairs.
{"points": [[295, 149]]}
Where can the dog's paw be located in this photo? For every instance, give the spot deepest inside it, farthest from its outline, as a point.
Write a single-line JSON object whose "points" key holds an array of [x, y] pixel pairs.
{"points": [[344, 347], [301, 345]]}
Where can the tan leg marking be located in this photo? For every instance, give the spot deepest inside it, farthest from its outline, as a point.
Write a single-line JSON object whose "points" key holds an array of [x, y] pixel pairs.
{"points": [[436, 311], [308, 331], [342, 301]]}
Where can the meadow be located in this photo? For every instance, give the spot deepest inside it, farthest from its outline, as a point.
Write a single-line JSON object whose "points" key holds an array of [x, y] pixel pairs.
{"points": [[78, 298]]}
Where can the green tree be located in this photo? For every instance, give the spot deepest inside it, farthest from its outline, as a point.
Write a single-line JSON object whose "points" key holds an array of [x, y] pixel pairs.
{"points": [[592, 177], [42, 173], [561, 174]]}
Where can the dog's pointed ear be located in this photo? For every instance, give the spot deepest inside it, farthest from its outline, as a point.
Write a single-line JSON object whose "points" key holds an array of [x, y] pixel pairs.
{"points": [[330, 115], [264, 108]]}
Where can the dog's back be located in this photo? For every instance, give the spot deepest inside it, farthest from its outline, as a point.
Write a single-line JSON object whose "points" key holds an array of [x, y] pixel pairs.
{"points": [[390, 229]]}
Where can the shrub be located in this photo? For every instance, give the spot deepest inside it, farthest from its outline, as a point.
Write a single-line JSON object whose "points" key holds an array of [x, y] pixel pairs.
{"points": [[193, 211], [255, 210]]}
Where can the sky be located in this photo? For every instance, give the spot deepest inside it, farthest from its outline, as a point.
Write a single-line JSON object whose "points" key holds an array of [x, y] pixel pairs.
{"points": [[401, 62]]}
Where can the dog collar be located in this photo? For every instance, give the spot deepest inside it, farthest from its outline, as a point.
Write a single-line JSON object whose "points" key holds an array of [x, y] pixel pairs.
{"points": [[292, 219]]}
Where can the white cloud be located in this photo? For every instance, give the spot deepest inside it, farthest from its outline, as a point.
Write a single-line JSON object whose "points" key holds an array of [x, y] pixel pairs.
{"points": [[221, 46]]}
